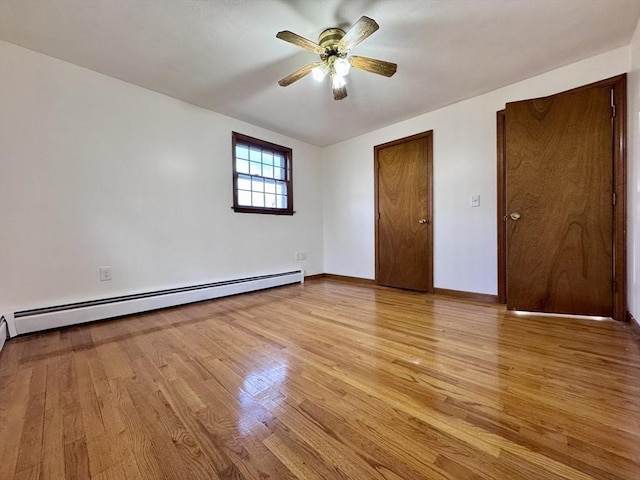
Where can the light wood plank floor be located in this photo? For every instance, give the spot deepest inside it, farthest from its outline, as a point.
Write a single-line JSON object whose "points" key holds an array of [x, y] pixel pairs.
{"points": [[324, 380]]}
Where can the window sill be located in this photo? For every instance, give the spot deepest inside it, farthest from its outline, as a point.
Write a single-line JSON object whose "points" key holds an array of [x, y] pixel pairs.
{"points": [[266, 211]]}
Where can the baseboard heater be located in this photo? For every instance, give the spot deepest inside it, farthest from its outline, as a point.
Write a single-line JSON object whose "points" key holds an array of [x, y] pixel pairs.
{"points": [[4, 333], [28, 321]]}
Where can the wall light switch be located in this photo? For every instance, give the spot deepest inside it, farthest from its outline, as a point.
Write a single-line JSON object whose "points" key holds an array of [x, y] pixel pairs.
{"points": [[475, 200]]}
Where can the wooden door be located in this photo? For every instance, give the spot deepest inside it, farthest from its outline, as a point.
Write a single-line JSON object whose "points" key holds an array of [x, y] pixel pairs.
{"points": [[559, 203], [404, 227]]}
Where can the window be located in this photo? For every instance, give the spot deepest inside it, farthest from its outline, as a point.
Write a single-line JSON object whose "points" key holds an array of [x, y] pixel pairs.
{"points": [[261, 176]]}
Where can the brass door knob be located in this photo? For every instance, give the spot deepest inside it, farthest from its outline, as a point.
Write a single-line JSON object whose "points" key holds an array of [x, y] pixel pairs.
{"points": [[515, 216], [422, 220]]}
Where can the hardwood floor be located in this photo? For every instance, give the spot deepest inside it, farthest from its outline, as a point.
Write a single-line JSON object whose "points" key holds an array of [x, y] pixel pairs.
{"points": [[325, 380]]}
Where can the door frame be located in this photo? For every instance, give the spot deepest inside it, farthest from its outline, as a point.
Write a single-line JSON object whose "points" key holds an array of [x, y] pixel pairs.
{"points": [[619, 267], [376, 169]]}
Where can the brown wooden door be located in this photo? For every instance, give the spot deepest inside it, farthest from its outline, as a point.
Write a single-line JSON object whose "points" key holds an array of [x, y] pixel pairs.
{"points": [[559, 182], [404, 227]]}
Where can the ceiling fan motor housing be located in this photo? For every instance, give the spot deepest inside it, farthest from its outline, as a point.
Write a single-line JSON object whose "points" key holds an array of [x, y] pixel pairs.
{"points": [[329, 40]]}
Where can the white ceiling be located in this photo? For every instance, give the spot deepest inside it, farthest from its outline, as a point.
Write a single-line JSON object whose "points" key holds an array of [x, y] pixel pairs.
{"points": [[223, 54]]}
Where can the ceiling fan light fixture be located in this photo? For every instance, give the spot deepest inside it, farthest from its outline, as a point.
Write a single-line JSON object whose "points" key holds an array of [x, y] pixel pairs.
{"points": [[334, 47], [319, 73], [342, 66], [338, 81]]}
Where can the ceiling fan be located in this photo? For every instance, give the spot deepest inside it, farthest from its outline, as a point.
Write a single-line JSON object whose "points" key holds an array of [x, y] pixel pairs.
{"points": [[333, 47]]}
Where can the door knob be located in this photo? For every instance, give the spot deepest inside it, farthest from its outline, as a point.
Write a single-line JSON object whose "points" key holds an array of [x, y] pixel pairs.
{"points": [[515, 216], [422, 220]]}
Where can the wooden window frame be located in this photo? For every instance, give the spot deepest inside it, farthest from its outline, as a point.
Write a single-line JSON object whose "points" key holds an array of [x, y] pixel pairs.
{"points": [[263, 145]]}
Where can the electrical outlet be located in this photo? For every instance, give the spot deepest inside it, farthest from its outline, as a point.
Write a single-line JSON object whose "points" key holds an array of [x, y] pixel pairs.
{"points": [[297, 256], [474, 200], [303, 255], [105, 274]]}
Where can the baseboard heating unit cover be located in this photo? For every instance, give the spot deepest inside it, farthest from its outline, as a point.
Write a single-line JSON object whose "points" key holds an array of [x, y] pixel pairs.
{"points": [[27, 321], [4, 334]]}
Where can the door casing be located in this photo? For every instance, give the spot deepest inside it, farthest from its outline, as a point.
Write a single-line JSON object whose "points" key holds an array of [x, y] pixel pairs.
{"points": [[619, 87]]}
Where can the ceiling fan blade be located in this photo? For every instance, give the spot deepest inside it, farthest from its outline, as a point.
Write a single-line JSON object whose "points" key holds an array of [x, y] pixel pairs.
{"points": [[298, 74], [339, 92], [357, 33], [374, 66], [296, 39]]}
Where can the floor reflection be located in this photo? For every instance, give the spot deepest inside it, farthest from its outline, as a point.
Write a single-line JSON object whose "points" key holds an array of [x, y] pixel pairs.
{"points": [[260, 388]]}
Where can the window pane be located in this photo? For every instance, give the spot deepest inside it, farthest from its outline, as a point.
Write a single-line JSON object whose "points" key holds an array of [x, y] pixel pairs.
{"points": [[278, 173], [255, 155], [281, 188], [269, 200], [267, 171], [270, 186], [244, 182], [242, 166], [278, 160], [281, 201], [257, 199], [242, 151], [257, 185], [255, 168], [267, 158], [244, 198]]}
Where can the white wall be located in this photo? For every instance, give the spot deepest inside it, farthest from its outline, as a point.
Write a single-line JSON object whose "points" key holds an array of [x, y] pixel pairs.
{"points": [[95, 171], [464, 136], [633, 182]]}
